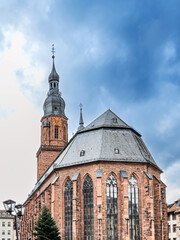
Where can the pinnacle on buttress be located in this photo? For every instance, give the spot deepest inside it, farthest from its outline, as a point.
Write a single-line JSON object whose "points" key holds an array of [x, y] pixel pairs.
{"points": [[81, 122]]}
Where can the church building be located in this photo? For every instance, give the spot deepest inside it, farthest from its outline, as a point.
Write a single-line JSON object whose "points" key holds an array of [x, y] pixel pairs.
{"points": [[102, 184]]}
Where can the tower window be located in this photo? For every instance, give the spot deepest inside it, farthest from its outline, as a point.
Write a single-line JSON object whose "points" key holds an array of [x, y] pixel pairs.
{"points": [[54, 85], [56, 132], [64, 133], [51, 85]]}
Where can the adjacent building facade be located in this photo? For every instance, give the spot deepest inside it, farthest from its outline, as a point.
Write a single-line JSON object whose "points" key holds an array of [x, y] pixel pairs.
{"points": [[102, 184], [174, 220], [7, 231]]}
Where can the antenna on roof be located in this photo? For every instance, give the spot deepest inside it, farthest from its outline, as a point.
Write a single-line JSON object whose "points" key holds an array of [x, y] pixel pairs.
{"points": [[81, 122]]}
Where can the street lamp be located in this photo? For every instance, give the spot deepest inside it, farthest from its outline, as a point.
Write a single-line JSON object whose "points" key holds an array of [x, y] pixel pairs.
{"points": [[10, 206]]}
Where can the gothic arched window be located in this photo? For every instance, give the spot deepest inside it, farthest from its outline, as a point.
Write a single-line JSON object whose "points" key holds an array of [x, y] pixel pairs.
{"points": [[88, 209], [56, 132], [133, 199], [68, 195], [111, 188]]}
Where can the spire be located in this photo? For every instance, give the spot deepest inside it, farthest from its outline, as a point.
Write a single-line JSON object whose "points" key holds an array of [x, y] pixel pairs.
{"points": [[81, 123], [53, 75], [54, 103]]}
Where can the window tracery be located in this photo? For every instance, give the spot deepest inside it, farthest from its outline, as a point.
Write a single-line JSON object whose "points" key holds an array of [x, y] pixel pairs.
{"points": [[68, 195], [133, 199], [88, 209], [111, 193]]}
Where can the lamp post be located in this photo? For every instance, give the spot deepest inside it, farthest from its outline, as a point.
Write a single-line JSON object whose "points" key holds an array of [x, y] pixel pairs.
{"points": [[10, 206]]}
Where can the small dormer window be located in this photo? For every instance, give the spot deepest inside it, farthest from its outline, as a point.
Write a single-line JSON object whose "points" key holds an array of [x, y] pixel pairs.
{"points": [[82, 153], [115, 120], [116, 150]]}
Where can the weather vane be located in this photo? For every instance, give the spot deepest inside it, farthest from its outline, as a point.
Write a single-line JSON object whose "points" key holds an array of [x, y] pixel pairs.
{"points": [[53, 50]]}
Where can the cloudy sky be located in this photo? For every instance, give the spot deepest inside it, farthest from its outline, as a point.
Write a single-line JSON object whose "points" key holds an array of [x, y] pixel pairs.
{"points": [[117, 54]]}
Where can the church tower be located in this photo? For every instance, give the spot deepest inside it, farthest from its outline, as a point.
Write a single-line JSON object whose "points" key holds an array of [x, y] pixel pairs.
{"points": [[54, 127]]}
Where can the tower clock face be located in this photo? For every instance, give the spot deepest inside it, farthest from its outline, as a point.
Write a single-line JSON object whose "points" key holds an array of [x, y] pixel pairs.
{"points": [[56, 120]]}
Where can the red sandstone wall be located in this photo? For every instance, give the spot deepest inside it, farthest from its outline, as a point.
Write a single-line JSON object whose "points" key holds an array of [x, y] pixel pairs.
{"points": [[51, 146], [152, 213]]}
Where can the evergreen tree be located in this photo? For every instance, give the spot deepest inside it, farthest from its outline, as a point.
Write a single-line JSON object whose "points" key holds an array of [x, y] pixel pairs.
{"points": [[45, 227]]}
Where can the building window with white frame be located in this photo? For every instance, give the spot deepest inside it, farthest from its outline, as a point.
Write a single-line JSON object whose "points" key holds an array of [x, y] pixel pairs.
{"points": [[169, 228], [174, 227]]}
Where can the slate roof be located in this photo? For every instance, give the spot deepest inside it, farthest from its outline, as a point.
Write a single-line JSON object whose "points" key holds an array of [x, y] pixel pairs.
{"points": [[107, 119], [108, 138], [100, 139]]}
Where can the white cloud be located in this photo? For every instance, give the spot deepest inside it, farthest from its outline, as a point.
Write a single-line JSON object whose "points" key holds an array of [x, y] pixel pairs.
{"points": [[169, 51], [171, 178], [19, 126]]}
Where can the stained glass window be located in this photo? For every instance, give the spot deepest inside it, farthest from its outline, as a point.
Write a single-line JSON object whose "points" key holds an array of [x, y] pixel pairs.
{"points": [[133, 198], [68, 195], [56, 132], [111, 188], [88, 209]]}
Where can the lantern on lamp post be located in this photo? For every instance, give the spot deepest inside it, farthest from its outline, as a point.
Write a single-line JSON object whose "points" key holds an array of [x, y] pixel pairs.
{"points": [[10, 206]]}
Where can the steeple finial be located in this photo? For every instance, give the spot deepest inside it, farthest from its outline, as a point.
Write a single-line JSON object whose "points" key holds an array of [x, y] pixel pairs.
{"points": [[81, 123], [53, 51], [53, 75]]}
